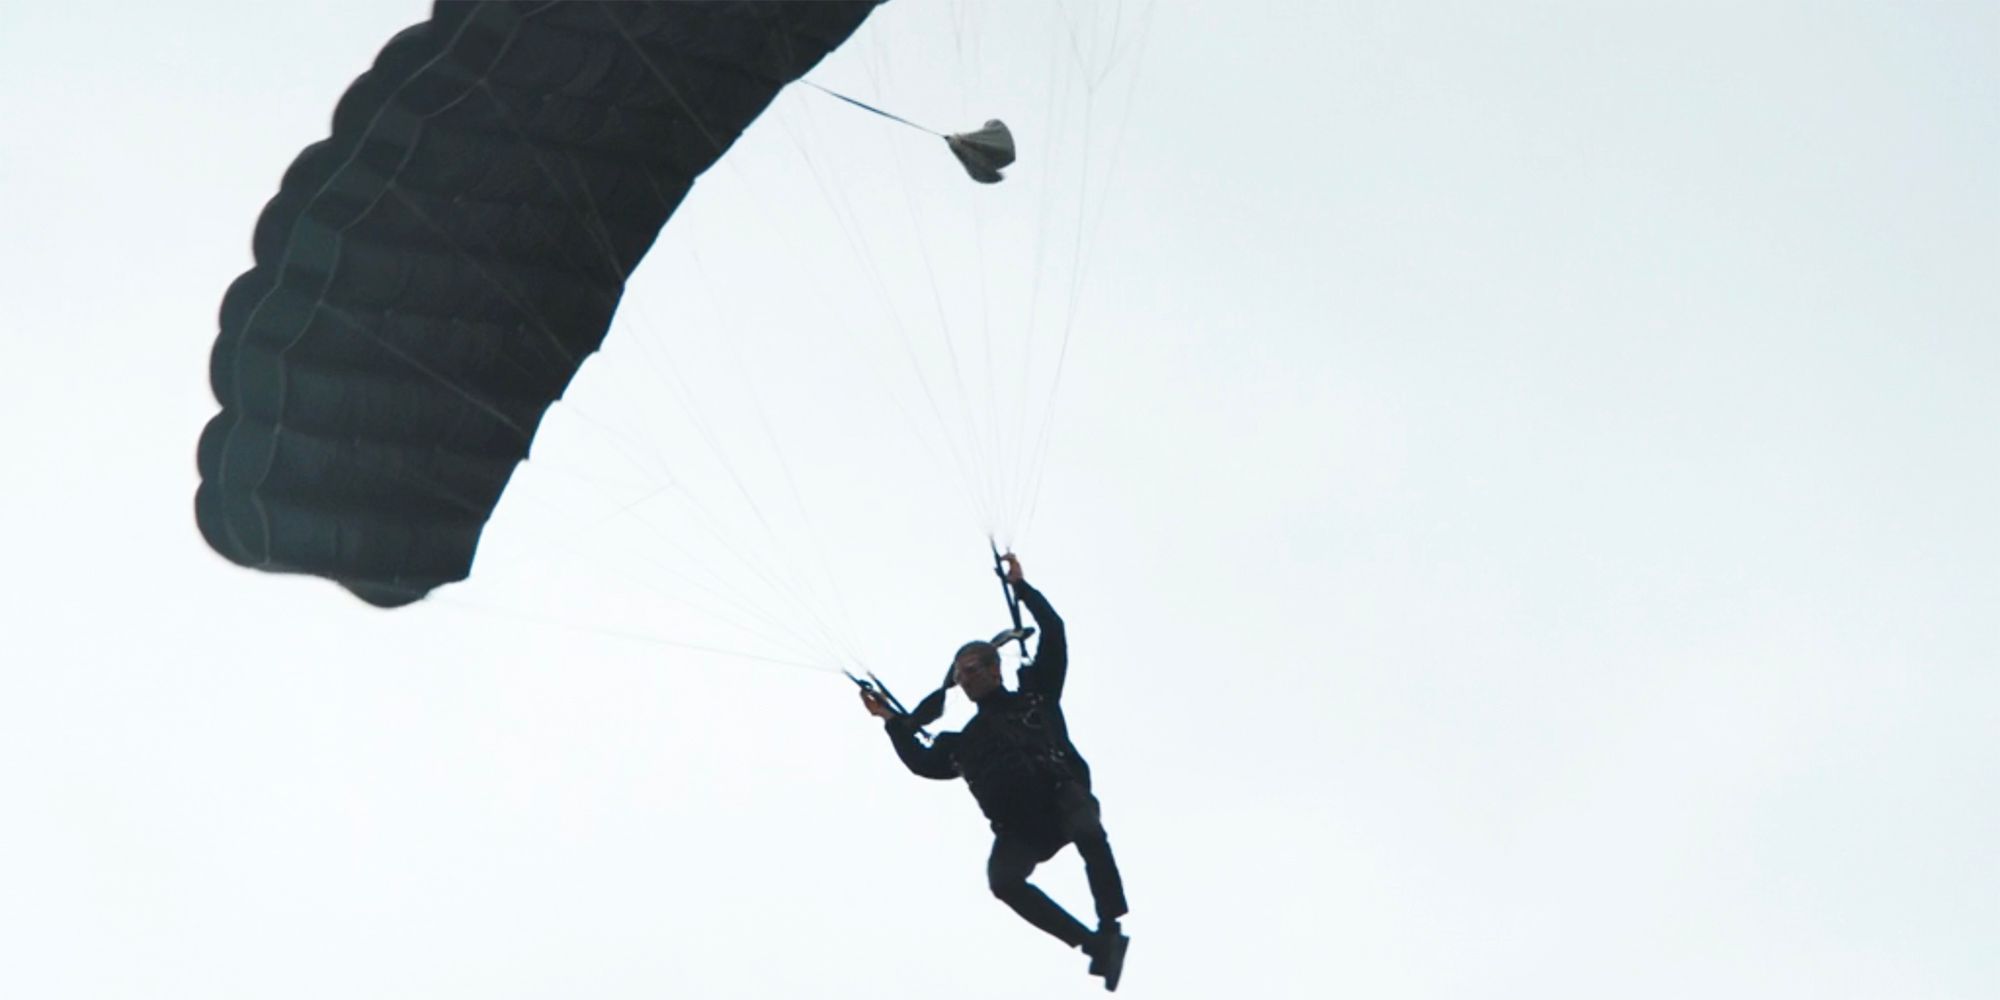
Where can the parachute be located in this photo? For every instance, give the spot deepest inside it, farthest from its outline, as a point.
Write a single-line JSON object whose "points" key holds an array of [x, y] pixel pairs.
{"points": [[984, 151], [430, 277]]}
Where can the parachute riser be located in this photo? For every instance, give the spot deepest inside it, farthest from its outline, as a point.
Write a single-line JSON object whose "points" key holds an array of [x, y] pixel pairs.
{"points": [[1013, 602], [874, 685]]}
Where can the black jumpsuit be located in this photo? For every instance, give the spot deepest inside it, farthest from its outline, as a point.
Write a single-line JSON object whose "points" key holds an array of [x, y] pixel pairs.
{"points": [[1030, 782]]}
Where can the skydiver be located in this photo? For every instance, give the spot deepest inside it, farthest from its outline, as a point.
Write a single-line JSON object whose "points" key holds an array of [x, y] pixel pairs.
{"points": [[1033, 786]]}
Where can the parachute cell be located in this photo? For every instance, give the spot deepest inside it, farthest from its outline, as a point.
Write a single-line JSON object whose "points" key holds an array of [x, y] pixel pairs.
{"points": [[430, 277]]}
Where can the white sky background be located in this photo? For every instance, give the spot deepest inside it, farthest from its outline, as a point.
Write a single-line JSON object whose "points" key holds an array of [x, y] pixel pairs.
{"points": [[1521, 494]]}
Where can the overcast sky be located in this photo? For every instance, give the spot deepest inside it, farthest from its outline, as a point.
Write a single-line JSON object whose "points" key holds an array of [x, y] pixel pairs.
{"points": [[1521, 485]]}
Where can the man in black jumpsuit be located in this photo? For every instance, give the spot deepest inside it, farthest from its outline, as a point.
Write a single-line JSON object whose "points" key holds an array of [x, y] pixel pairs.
{"points": [[1029, 780]]}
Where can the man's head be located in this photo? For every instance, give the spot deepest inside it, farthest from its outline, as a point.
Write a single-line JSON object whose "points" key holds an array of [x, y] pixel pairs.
{"points": [[976, 669]]}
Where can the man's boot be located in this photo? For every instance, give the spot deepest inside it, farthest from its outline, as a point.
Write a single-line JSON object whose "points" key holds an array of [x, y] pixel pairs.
{"points": [[1106, 949]]}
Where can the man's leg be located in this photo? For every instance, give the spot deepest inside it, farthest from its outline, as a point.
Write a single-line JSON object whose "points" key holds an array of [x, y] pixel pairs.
{"points": [[1007, 870], [1084, 827]]}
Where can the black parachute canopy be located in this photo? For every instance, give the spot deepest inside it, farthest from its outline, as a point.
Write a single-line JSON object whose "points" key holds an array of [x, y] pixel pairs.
{"points": [[430, 277]]}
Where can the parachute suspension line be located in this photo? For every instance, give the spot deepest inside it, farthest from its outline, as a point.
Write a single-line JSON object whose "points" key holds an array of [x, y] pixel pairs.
{"points": [[1081, 258], [685, 398], [873, 109], [910, 420], [765, 419], [1077, 268], [762, 569], [436, 488], [592, 219], [974, 459], [996, 450], [846, 619], [704, 519], [1069, 30], [844, 214], [762, 626], [741, 604], [958, 17], [1025, 462], [827, 644], [997, 473], [968, 74], [684, 395], [763, 623], [719, 147], [984, 478], [982, 482], [594, 215], [459, 604], [1017, 465], [1087, 222], [722, 591]]}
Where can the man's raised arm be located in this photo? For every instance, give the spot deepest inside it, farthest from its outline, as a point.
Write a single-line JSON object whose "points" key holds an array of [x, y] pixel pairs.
{"points": [[1052, 651]]}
